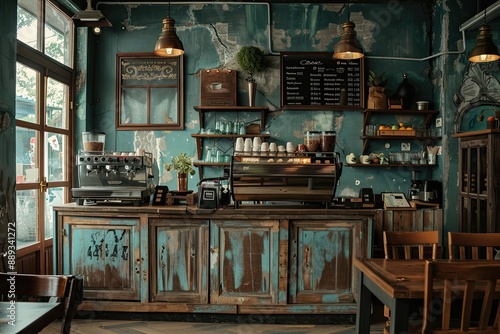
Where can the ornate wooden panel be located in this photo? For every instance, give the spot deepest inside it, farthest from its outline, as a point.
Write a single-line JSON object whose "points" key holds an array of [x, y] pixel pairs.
{"points": [[179, 260], [244, 261], [107, 252], [321, 255]]}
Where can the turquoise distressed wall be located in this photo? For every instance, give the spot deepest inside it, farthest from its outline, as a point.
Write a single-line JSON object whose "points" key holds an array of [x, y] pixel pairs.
{"points": [[397, 39]]}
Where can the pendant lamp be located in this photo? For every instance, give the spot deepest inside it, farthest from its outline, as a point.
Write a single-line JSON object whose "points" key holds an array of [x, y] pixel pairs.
{"points": [[348, 47], [484, 50], [169, 44]]}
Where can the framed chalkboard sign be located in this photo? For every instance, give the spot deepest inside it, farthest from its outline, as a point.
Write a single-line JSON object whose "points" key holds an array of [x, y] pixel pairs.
{"points": [[317, 81], [149, 92]]}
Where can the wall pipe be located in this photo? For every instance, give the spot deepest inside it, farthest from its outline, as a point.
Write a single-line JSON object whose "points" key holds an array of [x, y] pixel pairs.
{"points": [[470, 23]]}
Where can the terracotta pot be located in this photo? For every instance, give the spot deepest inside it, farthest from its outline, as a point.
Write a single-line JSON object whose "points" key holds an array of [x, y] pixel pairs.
{"points": [[182, 182]]}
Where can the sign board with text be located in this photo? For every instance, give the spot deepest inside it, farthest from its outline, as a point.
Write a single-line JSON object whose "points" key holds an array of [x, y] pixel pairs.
{"points": [[315, 80]]}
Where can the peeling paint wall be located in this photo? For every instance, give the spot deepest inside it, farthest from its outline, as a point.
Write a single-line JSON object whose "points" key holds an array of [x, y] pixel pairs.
{"points": [[398, 38]]}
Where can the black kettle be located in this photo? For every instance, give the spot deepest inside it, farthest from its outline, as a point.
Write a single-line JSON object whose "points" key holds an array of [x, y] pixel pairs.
{"points": [[430, 191]]}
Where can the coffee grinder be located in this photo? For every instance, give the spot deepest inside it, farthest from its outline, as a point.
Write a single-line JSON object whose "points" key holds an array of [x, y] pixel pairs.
{"points": [[416, 185]]}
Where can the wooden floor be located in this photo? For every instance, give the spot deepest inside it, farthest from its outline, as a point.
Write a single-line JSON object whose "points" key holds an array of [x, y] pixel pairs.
{"points": [[96, 326]]}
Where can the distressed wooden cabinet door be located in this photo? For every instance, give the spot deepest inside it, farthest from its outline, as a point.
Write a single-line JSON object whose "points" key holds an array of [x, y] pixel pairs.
{"points": [[321, 256], [244, 261], [179, 260], [108, 253]]}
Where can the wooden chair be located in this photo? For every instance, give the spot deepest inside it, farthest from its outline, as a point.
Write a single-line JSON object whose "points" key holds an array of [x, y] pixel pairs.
{"points": [[473, 245], [67, 290], [394, 242], [480, 283]]}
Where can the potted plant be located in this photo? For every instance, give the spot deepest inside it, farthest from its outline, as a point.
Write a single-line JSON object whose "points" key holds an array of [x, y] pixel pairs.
{"points": [[184, 166], [376, 95], [251, 60]]}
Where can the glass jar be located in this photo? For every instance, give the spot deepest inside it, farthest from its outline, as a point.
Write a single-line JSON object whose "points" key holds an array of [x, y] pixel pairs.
{"points": [[327, 141], [311, 140]]}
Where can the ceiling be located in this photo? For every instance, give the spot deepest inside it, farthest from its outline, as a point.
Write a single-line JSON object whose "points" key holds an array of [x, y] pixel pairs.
{"points": [[83, 3]]}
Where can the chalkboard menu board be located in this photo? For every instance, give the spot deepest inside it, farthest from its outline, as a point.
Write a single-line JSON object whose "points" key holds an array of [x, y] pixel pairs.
{"points": [[314, 80]]}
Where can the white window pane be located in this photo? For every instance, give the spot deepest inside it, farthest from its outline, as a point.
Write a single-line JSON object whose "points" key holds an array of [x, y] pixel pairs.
{"points": [[53, 197], [26, 94], [58, 33], [28, 12], [26, 217], [26, 155], [56, 108], [54, 162]]}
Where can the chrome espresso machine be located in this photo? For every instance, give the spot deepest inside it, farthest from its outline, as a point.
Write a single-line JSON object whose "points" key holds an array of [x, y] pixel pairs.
{"points": [[306, 178], [113, 177]]}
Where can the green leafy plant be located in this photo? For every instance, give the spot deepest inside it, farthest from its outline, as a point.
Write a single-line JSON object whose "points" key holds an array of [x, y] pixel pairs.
{"points": [[375, 80], [251, 59], [182, 164]]}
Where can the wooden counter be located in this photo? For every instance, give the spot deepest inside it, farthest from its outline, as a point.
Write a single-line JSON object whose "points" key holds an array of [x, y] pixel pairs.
{"points": [[274, 260]]}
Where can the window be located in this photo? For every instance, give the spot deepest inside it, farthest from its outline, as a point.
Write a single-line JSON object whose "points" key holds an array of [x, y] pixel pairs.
{"points": [[43, 114], [57, 39]]}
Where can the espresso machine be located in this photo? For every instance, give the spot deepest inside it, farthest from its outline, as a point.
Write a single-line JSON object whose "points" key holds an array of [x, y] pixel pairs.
{"points": [[113, 177]]}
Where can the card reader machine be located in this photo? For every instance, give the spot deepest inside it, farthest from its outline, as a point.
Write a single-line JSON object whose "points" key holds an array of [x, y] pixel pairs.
{"points": [[212, 194]]}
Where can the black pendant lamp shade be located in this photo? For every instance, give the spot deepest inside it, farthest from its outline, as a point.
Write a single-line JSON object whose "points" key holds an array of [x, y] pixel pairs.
{"points": [[484, 50], [169, 44], [348, 47]]}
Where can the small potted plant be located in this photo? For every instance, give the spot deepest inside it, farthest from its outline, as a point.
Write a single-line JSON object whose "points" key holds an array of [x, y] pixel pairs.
{"points": [[184, 166], [251, 60], [376, 95]]}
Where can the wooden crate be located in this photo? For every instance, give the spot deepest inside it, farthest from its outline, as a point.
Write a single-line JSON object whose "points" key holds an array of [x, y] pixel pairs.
{"points": [[397, 133], [189, 199]]}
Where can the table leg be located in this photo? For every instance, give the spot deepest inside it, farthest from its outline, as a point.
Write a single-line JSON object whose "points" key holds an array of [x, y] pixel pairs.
{"points": [[364, 307], [400, 312]]}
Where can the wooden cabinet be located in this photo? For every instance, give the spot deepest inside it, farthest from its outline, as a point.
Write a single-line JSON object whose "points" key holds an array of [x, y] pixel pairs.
{"points": [[215, 137], [422, 132], [179, 260], [108, 252], [321, 255], [479, 180], [162, 259], [244, 257]]}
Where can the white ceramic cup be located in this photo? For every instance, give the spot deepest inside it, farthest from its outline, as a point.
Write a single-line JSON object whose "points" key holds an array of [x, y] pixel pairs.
{"points": [[256, 143], [290, 147], [247, 147], [238, 146], [264, 147], [273, 147], [281, 148]]}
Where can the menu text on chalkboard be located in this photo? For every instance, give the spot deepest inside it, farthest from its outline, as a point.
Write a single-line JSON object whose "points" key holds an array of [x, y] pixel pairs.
{"points": [[315, 80]]}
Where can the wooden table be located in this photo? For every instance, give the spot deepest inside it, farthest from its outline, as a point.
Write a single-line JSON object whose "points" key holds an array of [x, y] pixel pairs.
{"points": [[398, 284], [29, 317]]}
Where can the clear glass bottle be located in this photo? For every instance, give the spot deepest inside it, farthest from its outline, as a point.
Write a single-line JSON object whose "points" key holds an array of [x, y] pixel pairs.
{"points": [[208, 157], [311, 140]]}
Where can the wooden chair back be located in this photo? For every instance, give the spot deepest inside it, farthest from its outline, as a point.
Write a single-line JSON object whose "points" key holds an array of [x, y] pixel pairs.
{"points": [[473, 245], [67, 289], [395, 241], [466, 281]]}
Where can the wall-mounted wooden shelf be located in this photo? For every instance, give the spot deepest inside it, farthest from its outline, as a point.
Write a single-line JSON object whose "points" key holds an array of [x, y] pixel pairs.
{"points": [[203, 109]]}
